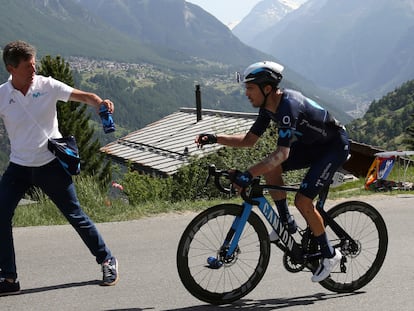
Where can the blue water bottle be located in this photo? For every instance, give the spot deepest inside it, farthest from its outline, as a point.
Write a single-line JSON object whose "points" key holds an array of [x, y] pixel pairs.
{"points": [[106, 118]]}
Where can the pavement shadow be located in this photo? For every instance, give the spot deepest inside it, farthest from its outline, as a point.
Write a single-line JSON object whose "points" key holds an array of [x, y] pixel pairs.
{"points": [[270, 304], [59, 286]]}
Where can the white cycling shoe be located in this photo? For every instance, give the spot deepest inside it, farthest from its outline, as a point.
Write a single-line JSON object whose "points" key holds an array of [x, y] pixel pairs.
{"points": [[326, 267]]}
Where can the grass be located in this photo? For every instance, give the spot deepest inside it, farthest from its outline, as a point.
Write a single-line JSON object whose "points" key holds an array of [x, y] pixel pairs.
{"points": [[102, 208]]}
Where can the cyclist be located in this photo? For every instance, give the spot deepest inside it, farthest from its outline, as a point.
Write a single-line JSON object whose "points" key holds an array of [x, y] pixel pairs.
{"points": [[308, 137]]}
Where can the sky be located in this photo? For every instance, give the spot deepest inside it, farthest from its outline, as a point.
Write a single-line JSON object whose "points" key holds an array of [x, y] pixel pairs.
{"points": [[227, 11]]}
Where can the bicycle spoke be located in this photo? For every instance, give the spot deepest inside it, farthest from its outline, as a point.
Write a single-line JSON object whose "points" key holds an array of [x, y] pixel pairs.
{"points": [[367, 229], [239, 273]]}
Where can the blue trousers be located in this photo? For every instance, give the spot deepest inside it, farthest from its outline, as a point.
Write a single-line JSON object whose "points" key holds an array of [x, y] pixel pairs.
{"points": [[58, 186]]}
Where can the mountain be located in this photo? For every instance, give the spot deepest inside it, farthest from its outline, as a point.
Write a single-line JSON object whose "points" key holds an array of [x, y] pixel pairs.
{"points": [[177, 37], [360, 48], [146, 55], [265, 14], [174, 24], [124, 30]]}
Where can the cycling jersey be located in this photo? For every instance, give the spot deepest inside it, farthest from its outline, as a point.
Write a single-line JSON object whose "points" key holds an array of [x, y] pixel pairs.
{"points": [[298, 119], [316, 139]]}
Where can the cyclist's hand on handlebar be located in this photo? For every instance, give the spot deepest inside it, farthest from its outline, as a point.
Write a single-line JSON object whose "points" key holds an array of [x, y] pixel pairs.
{"points": [[240, 179], [205, 139]]}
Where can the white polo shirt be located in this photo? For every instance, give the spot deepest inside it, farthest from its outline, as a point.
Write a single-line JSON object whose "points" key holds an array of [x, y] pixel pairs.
{"points": [[28, 134]]}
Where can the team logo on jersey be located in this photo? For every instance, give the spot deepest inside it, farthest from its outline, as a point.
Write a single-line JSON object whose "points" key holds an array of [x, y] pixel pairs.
{"points": [[288, 133], [286, 120], [285, 133]]}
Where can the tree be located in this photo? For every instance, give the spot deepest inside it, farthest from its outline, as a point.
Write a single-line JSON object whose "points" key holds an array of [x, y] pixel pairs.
{"points": [[74, 120], [409, 135]]}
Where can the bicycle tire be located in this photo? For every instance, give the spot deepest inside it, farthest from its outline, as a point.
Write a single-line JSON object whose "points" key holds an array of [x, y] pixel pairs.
{"points": [[203, 237], [366, 226]]}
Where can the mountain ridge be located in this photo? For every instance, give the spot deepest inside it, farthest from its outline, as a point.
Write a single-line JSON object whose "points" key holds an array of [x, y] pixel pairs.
{"points": [[264, 15], [101, 29], [362, 48]]}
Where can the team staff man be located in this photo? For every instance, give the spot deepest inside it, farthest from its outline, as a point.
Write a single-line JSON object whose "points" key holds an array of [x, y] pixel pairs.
{"points": [[28, 109]]}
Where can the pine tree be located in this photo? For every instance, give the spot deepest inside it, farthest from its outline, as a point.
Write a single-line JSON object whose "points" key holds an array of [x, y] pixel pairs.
{"points": [[74, 120]]}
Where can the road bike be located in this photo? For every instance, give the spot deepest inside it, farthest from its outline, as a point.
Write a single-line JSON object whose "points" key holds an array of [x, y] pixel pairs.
{"points": [[225, 250]]}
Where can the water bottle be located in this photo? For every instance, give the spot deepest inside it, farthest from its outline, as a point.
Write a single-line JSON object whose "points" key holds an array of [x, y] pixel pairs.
{"points": [[214, 263], [106, 118]]}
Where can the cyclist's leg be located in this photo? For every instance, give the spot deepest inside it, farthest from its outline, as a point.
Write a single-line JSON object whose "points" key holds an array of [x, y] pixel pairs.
{"points": [[331, 257], [310, 213], [274, 177], [324, 163]]}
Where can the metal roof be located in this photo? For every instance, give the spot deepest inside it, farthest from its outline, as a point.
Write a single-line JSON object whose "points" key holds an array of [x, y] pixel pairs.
{"points": [[164, 146]]}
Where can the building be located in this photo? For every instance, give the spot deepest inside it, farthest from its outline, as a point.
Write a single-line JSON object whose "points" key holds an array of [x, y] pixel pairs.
{"points": [[162, 147]]}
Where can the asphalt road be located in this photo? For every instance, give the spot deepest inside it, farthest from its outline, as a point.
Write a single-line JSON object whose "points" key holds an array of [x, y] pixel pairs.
{"points": [[57, 272]]}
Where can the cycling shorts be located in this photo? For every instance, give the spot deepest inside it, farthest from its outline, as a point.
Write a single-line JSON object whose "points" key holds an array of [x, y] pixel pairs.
{"points": [[323, 160]]}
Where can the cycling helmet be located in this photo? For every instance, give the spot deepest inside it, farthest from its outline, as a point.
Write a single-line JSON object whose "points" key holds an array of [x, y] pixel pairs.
{"points": [[263, 73]]}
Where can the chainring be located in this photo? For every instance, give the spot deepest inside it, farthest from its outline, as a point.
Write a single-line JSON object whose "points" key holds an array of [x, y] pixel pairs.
{"points": [[291, 265]]}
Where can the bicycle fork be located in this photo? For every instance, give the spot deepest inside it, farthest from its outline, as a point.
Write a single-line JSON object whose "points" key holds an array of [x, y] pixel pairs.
{"points": [[228, 250], [230, 245]]}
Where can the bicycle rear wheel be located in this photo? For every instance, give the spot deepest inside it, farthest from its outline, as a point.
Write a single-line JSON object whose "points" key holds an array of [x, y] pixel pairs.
{"points": [[239, 274], [364, 259]]}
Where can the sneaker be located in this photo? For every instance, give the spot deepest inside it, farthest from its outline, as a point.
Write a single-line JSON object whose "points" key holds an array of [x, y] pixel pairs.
{"points": [[9, 288], [110, 272], [326, 266]]}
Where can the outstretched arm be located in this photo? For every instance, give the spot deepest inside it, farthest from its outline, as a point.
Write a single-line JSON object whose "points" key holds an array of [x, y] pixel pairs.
{"points": [[91, 99], [235, 140]]}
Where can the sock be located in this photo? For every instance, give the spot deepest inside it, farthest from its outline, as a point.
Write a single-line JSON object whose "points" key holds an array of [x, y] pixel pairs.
{"points": [[326, 248], [282, 209]]}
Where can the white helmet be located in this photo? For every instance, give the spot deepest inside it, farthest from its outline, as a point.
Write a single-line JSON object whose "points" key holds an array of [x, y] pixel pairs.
{"points": [[265, 72]]}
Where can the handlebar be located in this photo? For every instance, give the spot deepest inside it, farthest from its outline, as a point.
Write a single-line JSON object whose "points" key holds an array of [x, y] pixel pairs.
{"points": [[217, 174], [255, 189]]}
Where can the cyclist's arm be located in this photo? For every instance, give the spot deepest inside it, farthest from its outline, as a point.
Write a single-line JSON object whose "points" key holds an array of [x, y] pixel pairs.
{"points": [[237, 140], [275, 159]]}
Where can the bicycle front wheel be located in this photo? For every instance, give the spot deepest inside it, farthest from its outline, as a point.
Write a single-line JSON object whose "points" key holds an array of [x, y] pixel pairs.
{"points": [[238, 275], [364, 259]]}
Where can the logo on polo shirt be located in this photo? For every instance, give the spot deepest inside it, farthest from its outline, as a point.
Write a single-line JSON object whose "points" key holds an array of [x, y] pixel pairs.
{"points": [[37, 94]]}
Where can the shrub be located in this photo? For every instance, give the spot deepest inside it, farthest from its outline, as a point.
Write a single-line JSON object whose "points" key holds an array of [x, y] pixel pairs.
{"points": [[141, 188], [189, 182]]}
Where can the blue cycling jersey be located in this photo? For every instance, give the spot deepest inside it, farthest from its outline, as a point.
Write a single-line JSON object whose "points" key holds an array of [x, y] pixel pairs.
{"points": [[298, 119], [301, 122]]}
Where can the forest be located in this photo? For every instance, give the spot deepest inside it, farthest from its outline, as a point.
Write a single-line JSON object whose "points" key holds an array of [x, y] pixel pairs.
{"points": [[387, 120], [143, 101]]}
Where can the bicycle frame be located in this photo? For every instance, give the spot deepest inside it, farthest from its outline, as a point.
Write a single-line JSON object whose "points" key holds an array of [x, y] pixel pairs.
{"points": [[232, 239], [288, 242], [236, 265]]}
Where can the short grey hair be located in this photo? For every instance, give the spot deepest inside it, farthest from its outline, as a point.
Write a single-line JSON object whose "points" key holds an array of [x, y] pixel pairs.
{"points": [[17, 51]]}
